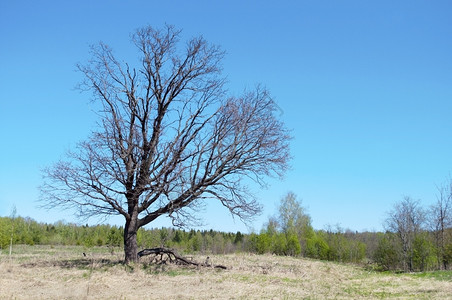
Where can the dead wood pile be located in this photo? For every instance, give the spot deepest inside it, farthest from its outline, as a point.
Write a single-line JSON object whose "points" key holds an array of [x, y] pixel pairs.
{"points": [[162, 255]]}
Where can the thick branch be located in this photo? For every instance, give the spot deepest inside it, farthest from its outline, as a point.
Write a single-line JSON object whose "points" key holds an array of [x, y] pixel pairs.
{"points": [[176, 258]]}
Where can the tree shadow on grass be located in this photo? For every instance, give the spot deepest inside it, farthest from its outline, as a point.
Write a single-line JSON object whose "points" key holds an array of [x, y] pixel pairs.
{"points": [[79, 263], [90, 263]]}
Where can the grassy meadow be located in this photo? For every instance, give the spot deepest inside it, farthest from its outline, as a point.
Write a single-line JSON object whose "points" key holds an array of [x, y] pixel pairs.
{"points": [[63, 272]]}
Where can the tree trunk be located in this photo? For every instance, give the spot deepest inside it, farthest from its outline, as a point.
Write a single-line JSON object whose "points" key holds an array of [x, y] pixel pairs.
{"points": [[130, 240]]}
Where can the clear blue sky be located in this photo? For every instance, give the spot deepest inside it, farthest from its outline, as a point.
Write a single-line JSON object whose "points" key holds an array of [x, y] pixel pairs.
{"points": [[366, 87]]}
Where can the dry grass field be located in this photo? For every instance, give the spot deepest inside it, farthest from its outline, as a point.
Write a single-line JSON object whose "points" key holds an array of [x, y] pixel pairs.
{"points": [[42, 272]]}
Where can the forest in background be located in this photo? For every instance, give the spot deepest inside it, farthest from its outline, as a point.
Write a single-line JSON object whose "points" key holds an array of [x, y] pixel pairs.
{"points": [[376, 250], [416, 238]]}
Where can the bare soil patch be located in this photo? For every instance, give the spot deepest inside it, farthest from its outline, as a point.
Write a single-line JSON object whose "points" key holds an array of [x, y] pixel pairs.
{"points": [[64, 273]]}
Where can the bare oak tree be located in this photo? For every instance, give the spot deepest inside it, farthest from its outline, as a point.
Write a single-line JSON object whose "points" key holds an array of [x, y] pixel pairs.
{"points": [[169, 138]]}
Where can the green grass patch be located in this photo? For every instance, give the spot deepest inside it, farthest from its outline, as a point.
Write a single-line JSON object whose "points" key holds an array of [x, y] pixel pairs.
{"points": [[437, 275]]}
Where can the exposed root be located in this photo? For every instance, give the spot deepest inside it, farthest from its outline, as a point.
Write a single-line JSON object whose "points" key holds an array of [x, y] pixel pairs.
{"points": [[163, 255]]}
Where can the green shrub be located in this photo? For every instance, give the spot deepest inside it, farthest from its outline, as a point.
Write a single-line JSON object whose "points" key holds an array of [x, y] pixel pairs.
{"points": [[317, 247], [293, 247], [259, 243], [387, 252], [424, 257], [447, 255], [278, 244]]}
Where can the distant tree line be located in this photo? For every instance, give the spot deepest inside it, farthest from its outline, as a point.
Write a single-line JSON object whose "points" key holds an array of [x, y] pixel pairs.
{"points": [[290, 232], [30, 232], [416, 239], [294, 241]]}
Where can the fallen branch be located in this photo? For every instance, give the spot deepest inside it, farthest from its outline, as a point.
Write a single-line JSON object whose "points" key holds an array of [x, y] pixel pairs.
{"points": [[176, 258]]}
